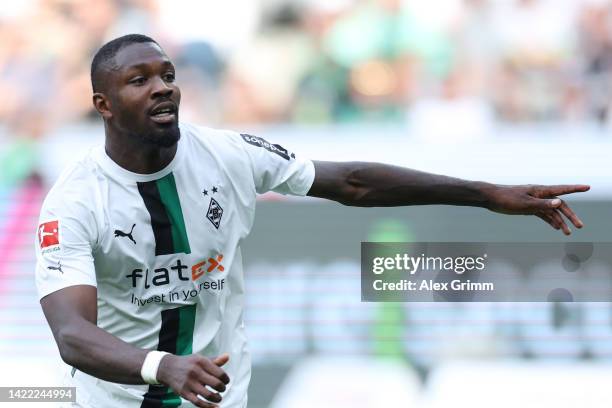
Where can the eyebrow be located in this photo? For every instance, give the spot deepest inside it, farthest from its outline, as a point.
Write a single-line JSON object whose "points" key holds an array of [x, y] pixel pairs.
{"points": [[145, 65]]}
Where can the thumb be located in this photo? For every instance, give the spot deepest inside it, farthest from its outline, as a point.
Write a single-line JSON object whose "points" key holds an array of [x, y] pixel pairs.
{"points": [[554, 203], [221, 360], [543, 204]]}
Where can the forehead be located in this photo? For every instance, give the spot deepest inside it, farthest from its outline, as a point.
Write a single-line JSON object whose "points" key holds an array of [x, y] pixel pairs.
{"points": [[139, 54]]}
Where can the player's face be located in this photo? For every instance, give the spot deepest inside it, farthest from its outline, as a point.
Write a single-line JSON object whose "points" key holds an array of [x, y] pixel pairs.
{"points": [[144, 99]]}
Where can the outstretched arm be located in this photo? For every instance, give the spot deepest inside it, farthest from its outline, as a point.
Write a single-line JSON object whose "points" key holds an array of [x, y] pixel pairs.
{"points": [[380, 185]]}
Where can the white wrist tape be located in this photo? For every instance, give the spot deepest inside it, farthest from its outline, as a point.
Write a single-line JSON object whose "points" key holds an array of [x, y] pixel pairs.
{"points": [[150, 366]]}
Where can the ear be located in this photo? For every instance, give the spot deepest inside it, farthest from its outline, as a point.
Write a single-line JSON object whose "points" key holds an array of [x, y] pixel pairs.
{"points": [[102, 105]]}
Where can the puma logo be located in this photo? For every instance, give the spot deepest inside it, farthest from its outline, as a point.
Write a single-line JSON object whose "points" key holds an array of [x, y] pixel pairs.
{"points": [[119, 233], [56, 268]]}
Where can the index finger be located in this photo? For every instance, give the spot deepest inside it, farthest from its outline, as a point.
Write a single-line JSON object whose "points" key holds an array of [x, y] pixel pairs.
{"points": [[565, 189]]}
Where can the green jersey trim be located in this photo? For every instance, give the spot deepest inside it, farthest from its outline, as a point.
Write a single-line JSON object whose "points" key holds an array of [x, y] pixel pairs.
{"points": [[176, 337], [162, 202]]}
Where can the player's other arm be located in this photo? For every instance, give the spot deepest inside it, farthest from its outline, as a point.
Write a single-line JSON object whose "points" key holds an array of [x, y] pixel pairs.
{"points": [[72, 315], [380, 185]]}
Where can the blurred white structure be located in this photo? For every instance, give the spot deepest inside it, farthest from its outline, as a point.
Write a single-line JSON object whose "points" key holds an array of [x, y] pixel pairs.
{"points": [[519, 384], [328, 382]]}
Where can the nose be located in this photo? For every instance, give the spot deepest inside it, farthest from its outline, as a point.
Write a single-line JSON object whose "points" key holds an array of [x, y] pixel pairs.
{"points": [[161, 89]]}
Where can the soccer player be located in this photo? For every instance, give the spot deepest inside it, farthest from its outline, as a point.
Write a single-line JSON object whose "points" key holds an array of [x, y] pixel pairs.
{"points": [[139, 269]]}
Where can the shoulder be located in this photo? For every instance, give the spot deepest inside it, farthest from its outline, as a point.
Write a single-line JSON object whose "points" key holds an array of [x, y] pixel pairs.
{"points": [[206, 134], [234, 142], [73, 188], [222, 144]]}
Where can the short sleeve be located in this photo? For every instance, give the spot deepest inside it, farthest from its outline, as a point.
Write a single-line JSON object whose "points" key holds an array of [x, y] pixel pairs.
{"points": [[63, 246], [275, 168]]}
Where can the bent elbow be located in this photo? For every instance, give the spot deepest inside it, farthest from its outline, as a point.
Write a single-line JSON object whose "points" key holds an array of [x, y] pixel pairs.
{"points": [[67, 343]]}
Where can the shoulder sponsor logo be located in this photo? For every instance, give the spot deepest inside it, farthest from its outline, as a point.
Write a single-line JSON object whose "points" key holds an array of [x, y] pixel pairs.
{"points": [[272, 148], [48, 236]]}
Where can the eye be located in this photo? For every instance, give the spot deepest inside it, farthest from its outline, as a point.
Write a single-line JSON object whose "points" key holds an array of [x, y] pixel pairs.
{"points": [[169, 77], [138, 80]]}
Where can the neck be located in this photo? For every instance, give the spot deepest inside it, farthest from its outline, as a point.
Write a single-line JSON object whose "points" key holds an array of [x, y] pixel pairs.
{"points": [[134, 155]]}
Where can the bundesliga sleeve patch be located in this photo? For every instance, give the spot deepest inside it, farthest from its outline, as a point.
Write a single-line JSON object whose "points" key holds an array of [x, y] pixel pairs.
{"points": [[48, 234], [272, 148]]}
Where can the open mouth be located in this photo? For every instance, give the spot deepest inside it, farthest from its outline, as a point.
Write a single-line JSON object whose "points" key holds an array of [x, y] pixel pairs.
{"points": [[164, 113]]}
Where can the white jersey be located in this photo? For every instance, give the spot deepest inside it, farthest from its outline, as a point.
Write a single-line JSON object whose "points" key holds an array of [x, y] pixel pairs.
{"points": [[163, 250]]}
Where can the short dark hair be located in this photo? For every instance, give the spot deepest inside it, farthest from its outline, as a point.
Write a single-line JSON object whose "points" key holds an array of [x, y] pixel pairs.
{"points": [[107, 53]]}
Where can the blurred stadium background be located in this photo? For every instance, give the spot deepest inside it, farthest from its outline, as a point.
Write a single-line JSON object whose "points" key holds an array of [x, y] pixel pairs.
{"points": [[511, 91]]}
